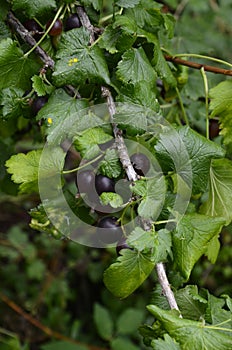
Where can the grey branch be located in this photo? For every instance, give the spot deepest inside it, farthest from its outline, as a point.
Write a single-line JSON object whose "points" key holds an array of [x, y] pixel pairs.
{"points": [[166, 289], [121, 147], [126, 163], [28, 38], [86, 23]]}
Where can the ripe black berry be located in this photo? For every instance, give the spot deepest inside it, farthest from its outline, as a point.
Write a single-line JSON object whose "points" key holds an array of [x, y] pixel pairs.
{"points": [[72, 22], [213, 128], [103, 184], [112, 231], [34, 28], [56, 28], [85, 181], [140, 163], [38, 103]]}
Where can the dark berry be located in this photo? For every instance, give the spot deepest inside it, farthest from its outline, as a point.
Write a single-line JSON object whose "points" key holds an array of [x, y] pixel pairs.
{"points": [[122, 245], [72, 22], [112, 231], [38, 103], [85, 181], [34, 28], [213, 128], [140, 163], [103, 184], [56, 28]]}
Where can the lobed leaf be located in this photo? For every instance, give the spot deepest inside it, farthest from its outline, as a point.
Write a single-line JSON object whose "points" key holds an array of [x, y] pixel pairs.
{"points": [[33, 8], [220, 190], [189, 154], [15, 68], [191, 334], [129, 271], [135, 67], [191, 239], [77, 61]]}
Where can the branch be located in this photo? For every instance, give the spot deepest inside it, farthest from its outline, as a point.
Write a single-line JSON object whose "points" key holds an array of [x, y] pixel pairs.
{"points": [[121, 147], [26, 37], [126, 162], [196, 65], [132, 175], [86, 23], [42, 327], [168, 293]]}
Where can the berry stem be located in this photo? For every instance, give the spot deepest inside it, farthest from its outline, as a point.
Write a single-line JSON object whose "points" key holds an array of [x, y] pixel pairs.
{"points": [[26, 36], [46, 32], [82, 166], [206, 87]]}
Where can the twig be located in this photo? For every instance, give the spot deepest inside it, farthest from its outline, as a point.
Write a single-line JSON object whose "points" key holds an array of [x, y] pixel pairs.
{"points": [[196, 65], [42, 327], [120, 144], [126, 162], [132, 175], [86, 23], [166, 289], [26, 36]]}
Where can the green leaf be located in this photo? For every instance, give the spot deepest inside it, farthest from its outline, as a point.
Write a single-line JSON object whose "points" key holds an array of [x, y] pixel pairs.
{"points": [[15, 68], [129, 271], [188, 154], [57, 111], [213, 250], [147, 14], [19, 240], [142, 240], [164, 245], [191, 334], [114, 199], [221, 106], [111, 165], [220, 190], [97, 4], [135, 67], [141, 94], [191, 238], [61, 345], [13, 103], [129, 321], [217, 312], [33, 8], [27, 174], [36, 270], [135, 119], [103, 321], [41, 223], [40, 87], [115, 39], [167, 344], [127, 3], [162, 68], [153, 192], [121, 343], [190, 303], [87, 142], [78, 62]]}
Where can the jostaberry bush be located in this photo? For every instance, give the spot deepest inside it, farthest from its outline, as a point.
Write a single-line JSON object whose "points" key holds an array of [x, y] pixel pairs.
{"points": [[120, 78]]}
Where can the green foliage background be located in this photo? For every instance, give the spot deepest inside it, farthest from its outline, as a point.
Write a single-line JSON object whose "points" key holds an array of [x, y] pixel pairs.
{"points": [[60, 283]]}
